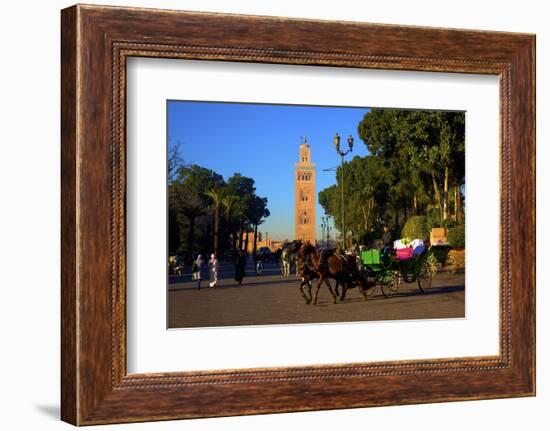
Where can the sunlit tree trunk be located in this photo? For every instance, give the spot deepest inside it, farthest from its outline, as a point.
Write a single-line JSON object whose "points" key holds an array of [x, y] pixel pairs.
{"points": [[366, 211], [221, 231], [191, 235], [239, 234], [459, 208], [230, 237], [234, 240], [241, 231], [216, 228], [446, 195], [456, 202], [208, 240], [255, 238], [437, 192], [246, 239]]}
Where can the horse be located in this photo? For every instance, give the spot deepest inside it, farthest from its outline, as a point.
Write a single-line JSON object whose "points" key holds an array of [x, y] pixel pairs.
{"points": [[288, 256], [340, 268], [307, 272], [285, 264]]}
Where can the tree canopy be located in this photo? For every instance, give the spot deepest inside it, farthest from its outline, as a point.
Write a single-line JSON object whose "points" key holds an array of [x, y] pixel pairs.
{"points": [[207, 213], [415, 167]]}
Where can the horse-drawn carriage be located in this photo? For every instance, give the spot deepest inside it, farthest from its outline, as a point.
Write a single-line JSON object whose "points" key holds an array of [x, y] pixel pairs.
{"points": [[366, 270], [390, 269]]}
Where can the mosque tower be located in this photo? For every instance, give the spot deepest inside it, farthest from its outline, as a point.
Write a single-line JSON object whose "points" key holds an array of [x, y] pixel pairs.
{"points": [[304, 195]]}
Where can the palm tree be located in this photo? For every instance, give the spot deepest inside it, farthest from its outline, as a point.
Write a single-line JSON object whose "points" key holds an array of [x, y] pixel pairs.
{"points": [[256, 224], [217, 196], [239, 217], [192, 212], [258, 214], [246, 233], [229, 203]]}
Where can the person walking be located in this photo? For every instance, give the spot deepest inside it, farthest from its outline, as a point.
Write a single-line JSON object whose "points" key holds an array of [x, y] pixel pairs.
{"points": [[240, 264], [197, 269], [214, 267], [259, 265]]}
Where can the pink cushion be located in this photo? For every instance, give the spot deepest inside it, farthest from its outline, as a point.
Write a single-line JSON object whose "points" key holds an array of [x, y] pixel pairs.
{"points": [[404, 253]]}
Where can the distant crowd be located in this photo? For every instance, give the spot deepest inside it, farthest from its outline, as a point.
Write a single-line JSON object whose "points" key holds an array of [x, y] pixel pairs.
{"points": [[209, 270]]}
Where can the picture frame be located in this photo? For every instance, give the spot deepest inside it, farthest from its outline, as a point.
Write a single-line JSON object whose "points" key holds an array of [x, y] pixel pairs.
{"points": [[96, 41]]}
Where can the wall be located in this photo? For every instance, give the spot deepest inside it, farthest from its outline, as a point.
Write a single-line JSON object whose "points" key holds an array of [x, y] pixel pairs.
{"points": [[29, 216]]}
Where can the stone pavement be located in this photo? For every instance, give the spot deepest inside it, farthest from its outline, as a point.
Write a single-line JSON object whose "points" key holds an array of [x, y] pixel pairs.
{"points": [[273, 299]]}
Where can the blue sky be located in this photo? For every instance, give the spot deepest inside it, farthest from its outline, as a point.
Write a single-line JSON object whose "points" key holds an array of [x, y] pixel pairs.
{"points": [[261, 141]]}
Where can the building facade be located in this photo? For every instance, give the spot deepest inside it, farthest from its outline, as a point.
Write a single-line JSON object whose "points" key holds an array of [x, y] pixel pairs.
{"points": [[304, 196], [261, 242]]}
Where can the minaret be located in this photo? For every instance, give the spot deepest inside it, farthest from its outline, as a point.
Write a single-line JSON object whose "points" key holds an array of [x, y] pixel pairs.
{"points": [[304, 195]]}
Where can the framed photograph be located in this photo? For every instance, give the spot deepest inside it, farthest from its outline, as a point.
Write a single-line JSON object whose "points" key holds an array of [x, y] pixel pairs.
{"points": [[264, 214]]}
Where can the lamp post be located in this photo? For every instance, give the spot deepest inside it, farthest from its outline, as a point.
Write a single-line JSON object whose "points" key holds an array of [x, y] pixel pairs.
{"points": [[324, 226], [342, 154], [328, 230]]}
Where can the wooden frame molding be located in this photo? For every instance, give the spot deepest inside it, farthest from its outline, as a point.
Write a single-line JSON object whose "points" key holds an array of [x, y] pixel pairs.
{"points": [[95, 43]]}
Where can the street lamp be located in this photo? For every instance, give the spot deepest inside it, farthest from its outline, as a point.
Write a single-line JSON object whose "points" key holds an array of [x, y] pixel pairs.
{"points": [[324, 227], [328, 230], [342, 154]]}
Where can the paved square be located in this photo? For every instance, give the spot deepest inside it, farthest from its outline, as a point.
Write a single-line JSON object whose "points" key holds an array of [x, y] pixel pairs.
{"points": [[273, 299]]}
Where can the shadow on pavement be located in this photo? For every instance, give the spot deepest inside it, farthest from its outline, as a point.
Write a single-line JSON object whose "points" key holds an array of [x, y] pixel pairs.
{"points": [[380, 296], [235, 285]]}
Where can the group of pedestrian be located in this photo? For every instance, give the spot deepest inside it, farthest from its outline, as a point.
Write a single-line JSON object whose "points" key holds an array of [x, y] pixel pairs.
{"points": [[199, 267], [199, 270]]}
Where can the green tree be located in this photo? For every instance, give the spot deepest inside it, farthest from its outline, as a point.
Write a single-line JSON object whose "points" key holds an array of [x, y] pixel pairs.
{"points": [[217, 195], [415, 167], [415, 227], [198, 197], [436, 147], [423, 152], [192, 212], [229, 203], [259, 212], [366, 195], [188, 203], [244, 188]]}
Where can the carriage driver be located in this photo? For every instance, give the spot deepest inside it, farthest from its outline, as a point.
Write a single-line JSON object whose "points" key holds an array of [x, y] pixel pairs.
{"points": [[387, 239]]}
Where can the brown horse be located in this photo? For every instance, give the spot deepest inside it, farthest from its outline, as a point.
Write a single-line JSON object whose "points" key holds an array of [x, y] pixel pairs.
{"points": [[308, 273], [291, 253], [328, 265]]}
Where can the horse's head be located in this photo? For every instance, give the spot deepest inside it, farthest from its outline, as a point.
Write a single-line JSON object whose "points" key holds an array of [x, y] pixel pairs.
{"points": [[294, 246], [307, 249]]}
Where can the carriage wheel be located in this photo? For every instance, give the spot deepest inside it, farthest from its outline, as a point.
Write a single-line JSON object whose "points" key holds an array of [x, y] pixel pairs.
{"points": [[451, 265], [369, 291], [425, 276], [390, 283]]}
